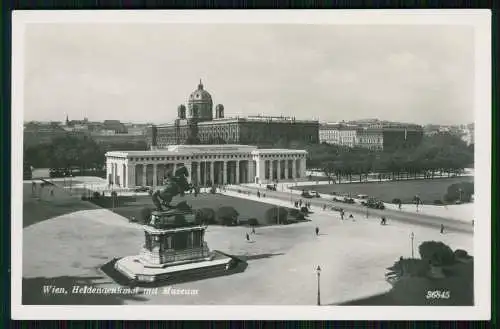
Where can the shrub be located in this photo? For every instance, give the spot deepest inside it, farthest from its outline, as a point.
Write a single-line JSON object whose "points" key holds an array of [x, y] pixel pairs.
{"points": [[411, 267], [226, 215], [253, 222], [396, 201], [461, 254], [208, 215], [304, 210], [96, 195], [437, 253], [145, 215], [114, 194], [459, 191], [183, 206], [438, 202], [84, 197], [271, 215], [300, 217]]}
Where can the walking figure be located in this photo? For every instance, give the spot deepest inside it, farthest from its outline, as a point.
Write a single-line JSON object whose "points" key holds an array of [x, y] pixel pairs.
{"points": [[52, 192], [442, 229], [351, 216], [317, 231], [383, 221], [248, 237], [324, 207], [258, 194], [300, 203], [399, 205], [253, 230], [366, 213]]}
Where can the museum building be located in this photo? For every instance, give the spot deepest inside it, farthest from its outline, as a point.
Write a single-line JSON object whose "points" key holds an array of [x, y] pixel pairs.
{"points": [[195, 124], [206, 164]]}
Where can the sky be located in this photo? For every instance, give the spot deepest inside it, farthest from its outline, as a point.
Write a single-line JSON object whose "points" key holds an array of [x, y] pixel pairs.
{"points": [[143, 72]]}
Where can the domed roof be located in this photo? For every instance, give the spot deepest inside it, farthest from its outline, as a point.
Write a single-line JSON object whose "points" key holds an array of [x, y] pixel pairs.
{"points": [[200, 95]]}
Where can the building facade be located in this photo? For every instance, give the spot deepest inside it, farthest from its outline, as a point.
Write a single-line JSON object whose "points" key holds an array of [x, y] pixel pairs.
{"points": [[195, 124], [338, 134], [206, 164]]}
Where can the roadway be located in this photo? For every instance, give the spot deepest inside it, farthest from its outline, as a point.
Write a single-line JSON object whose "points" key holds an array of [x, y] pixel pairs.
{"points": [[390, 214]]}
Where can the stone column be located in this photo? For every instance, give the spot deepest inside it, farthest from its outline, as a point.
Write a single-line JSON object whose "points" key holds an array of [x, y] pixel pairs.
{"points": [[198, 172], [125, 176], [155, 177], [278, 169], [130, 175], [237, 176], [303, 167], [270, 170], [188, 165], [144, 182], [286, 168], [224, 172], [212, 165], [294, 168]]}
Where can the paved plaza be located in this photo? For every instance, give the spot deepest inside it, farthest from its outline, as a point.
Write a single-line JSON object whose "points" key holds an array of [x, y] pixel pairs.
{"points": [[353, 255]]}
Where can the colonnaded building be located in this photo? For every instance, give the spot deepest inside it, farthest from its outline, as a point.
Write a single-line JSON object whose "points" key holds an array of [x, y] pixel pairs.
{"points": [[207, 165], [197, 125]]}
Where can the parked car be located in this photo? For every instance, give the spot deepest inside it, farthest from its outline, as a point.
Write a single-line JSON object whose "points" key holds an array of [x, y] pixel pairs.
{"points": [[271, 187], [314, 194], [59, 172], [362, 196], [373, 203], [142, 189], [335, 208], [305, 194], [348, 200]]}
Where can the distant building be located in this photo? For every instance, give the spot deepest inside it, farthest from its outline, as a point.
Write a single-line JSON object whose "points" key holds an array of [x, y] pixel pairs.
{"points": [[196, 124], [114, 125], [338, 134], [370, 138], [468, 134]]}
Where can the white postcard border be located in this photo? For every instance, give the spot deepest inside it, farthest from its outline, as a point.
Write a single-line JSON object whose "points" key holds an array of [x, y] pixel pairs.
{"points": [[479, 19]]}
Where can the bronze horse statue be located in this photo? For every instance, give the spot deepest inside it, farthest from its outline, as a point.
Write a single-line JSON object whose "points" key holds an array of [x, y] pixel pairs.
{"points": [[176, 184]]}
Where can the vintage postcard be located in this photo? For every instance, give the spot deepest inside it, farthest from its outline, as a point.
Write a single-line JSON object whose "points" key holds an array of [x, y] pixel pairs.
{"points": [[251, 165]]}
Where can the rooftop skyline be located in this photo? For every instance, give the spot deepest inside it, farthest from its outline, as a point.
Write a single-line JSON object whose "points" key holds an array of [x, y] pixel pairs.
{"points": [[142, 72]]}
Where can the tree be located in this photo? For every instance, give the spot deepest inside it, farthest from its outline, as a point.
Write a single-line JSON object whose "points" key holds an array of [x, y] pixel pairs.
{"points": [[436, 253]]}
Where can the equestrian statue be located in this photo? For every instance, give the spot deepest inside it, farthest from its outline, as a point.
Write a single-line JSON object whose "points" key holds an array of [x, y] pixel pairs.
{"points": [[174, 184]]}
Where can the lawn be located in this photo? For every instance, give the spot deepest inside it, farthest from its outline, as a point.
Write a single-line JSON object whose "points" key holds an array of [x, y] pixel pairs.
{"points": [[130, 206], [40, 205], [428, 189]]}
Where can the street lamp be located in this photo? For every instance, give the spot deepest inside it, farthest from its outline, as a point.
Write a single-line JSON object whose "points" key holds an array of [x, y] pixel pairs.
{"points": [[412, 236], [318, 273]]}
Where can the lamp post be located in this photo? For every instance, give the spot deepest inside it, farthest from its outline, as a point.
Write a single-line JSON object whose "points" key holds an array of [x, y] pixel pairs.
{"points": [[412, 236], [318, 273]]}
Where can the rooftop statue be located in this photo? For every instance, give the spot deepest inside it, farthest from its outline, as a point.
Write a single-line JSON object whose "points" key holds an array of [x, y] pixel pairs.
{"points": [[175, 184]]}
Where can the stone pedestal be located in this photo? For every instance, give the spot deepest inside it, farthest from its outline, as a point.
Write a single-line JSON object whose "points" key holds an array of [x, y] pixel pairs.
{"points": [[174, 247]]}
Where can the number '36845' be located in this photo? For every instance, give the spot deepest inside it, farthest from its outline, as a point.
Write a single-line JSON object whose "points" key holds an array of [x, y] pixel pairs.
{"points": [[438, 294]]}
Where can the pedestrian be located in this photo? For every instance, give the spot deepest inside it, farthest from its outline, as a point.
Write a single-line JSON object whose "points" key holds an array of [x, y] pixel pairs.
{"points": [[383, 221], [324, 207], [258, 194], [342, 214], [317, 231], [366, 212], [351, 216], [399, 205], [264, 195], [248, 237], [253, 229], [442, 229], [300, 203], [51, 192]]}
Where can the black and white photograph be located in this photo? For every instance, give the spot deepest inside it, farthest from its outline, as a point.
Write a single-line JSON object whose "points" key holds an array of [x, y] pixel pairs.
{"points": [[252, 164]]}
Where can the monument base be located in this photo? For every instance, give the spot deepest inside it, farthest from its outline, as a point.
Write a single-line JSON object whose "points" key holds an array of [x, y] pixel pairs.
{"points": [[134, 269]]}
